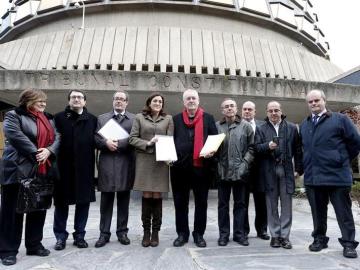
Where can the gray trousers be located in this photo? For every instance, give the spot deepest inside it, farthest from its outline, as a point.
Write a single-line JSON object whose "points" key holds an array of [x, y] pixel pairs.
{"points": [[279, 225]]}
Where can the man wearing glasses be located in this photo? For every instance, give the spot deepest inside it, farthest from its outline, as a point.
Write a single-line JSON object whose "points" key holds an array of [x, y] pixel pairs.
{"points": [[277, 142], [330, 142], [235, 157], [116, 171], [76, 162]]}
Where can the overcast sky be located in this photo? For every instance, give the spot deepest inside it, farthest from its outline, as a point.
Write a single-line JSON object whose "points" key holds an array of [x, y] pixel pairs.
{"points": [[338, 19]]}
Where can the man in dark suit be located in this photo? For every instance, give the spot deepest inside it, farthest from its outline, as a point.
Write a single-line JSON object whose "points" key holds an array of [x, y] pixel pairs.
{"points": [[116, 171], [248, 114], [277, 142], [76, 162], [330, 142], [190, 171]]}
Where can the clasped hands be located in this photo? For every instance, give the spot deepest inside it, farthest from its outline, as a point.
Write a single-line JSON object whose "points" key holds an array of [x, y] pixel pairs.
{"points": [[42, 155]]}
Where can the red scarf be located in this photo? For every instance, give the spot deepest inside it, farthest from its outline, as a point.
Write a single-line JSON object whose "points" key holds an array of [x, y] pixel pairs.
{"points": [[45, 136], [198, 123]]}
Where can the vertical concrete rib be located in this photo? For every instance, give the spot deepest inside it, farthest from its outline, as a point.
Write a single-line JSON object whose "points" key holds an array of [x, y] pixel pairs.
{"points": [[152, 47], [29, 52], [45, 54], [141, 45], [86, 46], [284, 60], [197, 49], [219, 52], [239, 54], [21, 54], [259, 58], [186, 52], [107, 48], [38, 51], [55, 50], [164, 48], [208, 50], [298, 63], [307, 69], [249, 56], [276, 60], [269, 63], [75, 49], [230, 60], [3, 51], [175, 49], [15, 52], [291, 60], [11, 48], [97, 43], [119, 47], [65, 49], [129, 50]]}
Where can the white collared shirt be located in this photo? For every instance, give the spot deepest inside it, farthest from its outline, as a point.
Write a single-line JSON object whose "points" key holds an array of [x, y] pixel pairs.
{"points": [[253, 124], [276, 126]]}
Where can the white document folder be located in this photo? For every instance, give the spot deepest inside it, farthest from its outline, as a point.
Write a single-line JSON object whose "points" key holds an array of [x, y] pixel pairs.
{"points": [[165, 148], [212, 144], [113, 131]]}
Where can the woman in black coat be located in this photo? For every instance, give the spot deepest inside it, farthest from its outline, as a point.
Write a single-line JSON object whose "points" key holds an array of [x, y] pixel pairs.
{"points": [[31, 138]]}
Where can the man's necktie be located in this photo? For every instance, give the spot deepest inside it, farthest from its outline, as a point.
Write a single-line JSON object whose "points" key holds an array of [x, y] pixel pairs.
{"points": [[315, 119]]}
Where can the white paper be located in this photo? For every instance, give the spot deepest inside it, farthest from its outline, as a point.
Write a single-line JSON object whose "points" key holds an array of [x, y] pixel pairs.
{"points": [[212, 144], [113, 131], [165, 148]]}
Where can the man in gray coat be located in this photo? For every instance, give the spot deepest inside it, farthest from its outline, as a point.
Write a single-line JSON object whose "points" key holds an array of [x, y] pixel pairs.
{"points": [[116, 171]]}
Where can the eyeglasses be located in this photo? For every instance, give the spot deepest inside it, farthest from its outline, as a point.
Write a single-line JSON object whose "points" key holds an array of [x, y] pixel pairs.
{"points": [[120, 99], [313, 101], [77, 97], [274, 111], [229, 106], [41, 101]]}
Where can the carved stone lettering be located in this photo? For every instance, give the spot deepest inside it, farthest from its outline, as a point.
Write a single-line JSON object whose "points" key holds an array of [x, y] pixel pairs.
{"points": [[167, 81], [195, 82], [66, 79], [152, 81], [109, 79]]}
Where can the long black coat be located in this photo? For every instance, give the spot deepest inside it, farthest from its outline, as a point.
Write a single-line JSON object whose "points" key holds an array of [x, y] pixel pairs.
{"points": [[290, 146], [76, 160]]}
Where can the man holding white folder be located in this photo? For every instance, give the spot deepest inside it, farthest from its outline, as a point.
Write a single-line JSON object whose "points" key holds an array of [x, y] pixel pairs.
{"points": [[116, 167], [191, 171]]}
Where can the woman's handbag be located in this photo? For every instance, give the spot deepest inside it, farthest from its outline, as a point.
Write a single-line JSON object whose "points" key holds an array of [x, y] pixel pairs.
{"points": [[35, 192]]}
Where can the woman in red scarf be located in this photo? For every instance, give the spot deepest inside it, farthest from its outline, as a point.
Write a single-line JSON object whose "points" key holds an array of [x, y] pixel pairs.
{"points": [[30, 138]]}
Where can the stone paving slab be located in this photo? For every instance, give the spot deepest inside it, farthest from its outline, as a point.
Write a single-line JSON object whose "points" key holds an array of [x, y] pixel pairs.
{"points": [[258, 255]]}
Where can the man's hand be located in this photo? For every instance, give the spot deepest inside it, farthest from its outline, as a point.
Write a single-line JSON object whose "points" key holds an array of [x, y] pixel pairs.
{"points": [[272, 145], [112, 145], [209, 155]]}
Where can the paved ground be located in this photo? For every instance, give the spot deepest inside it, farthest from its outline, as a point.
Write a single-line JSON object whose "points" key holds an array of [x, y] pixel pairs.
{"points": [[259, 255]]}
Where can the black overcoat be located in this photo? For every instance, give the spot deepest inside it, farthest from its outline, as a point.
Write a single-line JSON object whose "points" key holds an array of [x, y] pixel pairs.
{"points": [[76, 160]]}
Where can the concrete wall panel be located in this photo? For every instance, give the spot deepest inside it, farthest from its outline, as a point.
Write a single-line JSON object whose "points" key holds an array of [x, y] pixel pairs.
{"points": [[108, 46], [21, 54], [208, 51], [269, 65], [141, 45], [29, 52], [197, 49], [164, 48], [152, 49], [249, 56], [118, 49], [219, 53], [291, 60], [278, 69], [75, 49], [259, 59], [65, 50], [45, 54], [84, 54], [299, 64], [96, 48], [175, 49], [230, 60], [55, 50], [186, 53], [239, 54], [129, 49], [14, 52], [284, 61]]}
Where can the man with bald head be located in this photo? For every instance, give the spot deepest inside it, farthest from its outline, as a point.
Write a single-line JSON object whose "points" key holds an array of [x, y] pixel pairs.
{"points": [[248, 113], [278, 143], [191, 172], [330, 141]]}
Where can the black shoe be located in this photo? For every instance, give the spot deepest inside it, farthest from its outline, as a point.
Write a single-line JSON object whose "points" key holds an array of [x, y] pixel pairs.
{"points": [[317, 245], [199, 240], [263, 236], [180, 241], [285, 243], [242, 241], [101, 241], [123, 239], [80, 243], [9, 260], [223, 241], [349, 252], [41, 252], [275, 242], [60, 244]]}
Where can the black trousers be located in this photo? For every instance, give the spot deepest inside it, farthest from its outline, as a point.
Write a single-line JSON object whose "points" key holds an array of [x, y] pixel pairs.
{"points": [[182, 181], [106, 211], [239, 210], [260, 212], [319, 197], [11, 224], [61, 214]]}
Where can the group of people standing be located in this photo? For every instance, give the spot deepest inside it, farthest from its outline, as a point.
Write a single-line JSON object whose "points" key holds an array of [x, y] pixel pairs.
{"points": [[262, 157]]}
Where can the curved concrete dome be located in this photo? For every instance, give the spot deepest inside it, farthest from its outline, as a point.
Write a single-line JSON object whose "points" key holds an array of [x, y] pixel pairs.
{"points": [[254, 38]]}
